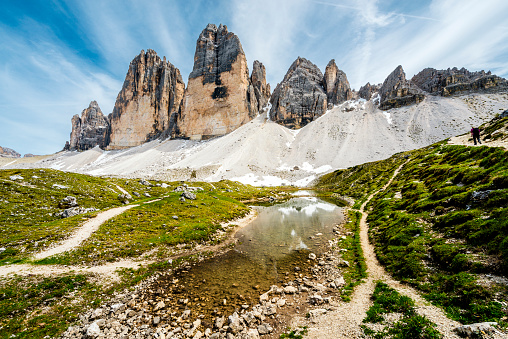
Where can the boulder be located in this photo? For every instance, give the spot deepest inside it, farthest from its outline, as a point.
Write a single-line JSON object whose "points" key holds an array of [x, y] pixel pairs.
{"points": [[396, 91], [90, 130], [220, 96], [336, 85], [476, 330], [300, 97], [68, 201], [72, 211], [148, 104]]}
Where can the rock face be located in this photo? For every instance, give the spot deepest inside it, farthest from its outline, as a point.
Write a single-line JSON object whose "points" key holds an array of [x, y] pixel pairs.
{"points": [[220, 96], [396, 91], [367, 90], [300, 97], [148, 104], [8, 152], [89, 130], [454, 81], [336, 85], [261, 88]]}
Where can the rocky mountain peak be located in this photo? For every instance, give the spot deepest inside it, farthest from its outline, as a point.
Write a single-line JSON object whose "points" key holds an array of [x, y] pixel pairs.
{"points": [[220, 96], [300, 97], [396, 91], [90, 130], [216, 50], [149, 102], [336, 85], [9, 152], [367, 90], [454, 81], [261, 88]]}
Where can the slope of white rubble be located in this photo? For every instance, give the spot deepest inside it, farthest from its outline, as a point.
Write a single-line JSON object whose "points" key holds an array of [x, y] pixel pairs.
{"points": [[262, 152]]}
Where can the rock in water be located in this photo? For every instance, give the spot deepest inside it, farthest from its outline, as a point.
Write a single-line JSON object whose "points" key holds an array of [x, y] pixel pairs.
{"points": [[455, 81], [336, 85], [148, 104], [261, 88], [220, 96], [8, 152], [396, 91], [300, 97], [89, 130]]}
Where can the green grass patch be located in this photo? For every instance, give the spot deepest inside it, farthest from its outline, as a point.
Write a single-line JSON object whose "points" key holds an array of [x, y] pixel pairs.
{"points": [[357, 270], [443, 218], [411, 325]]}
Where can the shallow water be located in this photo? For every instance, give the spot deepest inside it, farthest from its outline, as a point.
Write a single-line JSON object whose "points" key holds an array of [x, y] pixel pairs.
{"points": [[269, 249]]}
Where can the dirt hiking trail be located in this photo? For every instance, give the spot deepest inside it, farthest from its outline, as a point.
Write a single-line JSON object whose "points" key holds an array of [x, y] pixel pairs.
{"points": [[345, 319]]}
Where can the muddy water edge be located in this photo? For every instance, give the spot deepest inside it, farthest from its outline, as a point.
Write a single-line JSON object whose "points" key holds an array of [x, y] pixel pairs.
{"points": [[272, 250]]}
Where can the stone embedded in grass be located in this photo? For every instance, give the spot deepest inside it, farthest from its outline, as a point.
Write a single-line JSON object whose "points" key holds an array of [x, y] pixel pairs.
{"points": [[68, 201], [144, 182], [189, 195], [312, 256], [16, 177], [175, 217], [147, 195], [70, 212], [59, 186]]}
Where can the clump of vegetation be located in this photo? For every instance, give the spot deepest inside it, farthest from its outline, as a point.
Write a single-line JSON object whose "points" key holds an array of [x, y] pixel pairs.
{"points": [[357, 270], [410, 326], [440, 224], [32, 307], [294, 334]]}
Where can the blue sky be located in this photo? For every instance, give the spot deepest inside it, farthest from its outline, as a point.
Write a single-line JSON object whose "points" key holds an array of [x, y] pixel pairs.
{"points": [[56, 55]]}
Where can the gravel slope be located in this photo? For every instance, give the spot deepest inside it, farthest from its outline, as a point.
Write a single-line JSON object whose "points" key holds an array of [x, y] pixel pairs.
{"points": [[265, 153]]}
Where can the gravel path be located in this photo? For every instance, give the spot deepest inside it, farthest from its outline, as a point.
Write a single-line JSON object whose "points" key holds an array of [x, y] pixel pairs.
{"points": [[108, 269], [344, 320], [83, 233]]}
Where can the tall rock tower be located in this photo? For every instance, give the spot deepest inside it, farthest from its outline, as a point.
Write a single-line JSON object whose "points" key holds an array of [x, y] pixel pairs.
{"points": [[300, 97], [149, 102], [89, 130], [220, 96]]}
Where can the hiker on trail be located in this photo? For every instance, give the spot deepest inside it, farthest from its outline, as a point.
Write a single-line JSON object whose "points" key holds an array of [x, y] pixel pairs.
{"points": [[475, 133]]}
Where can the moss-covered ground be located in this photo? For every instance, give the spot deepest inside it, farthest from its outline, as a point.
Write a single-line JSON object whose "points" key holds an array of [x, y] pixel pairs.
{"points": [[442, 225], [35, 306]]}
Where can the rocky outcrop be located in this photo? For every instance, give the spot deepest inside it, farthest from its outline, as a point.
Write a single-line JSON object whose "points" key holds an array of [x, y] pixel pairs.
{"points": [[336, 85], [396, 91], [148, 104], [367, 90], [220, 96], [9, 153], [261, 88], [300, 97], [89, 130], [455, 81]]}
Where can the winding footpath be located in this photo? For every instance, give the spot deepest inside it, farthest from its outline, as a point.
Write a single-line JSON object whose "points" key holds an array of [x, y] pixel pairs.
{"points": [[345, 319], [107, 270]]}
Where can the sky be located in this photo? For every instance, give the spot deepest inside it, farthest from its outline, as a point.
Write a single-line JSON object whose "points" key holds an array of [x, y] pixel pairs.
{"points": [[56, 55]]}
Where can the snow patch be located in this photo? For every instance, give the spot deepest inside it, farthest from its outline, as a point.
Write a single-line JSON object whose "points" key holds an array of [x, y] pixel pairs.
{"points": [[388, 117]]}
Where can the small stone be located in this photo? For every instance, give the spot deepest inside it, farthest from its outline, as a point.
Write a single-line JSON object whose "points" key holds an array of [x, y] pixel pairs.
{"points": [[16, 177], [93, 330], [175, 217], [156, 320], [312, 256], [186, 314], [159, 305], [290, 290], [146, 194], [265, 328]]}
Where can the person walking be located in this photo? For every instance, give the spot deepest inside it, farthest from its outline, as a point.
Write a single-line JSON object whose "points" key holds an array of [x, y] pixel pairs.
{"points": [[475, 133]]}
